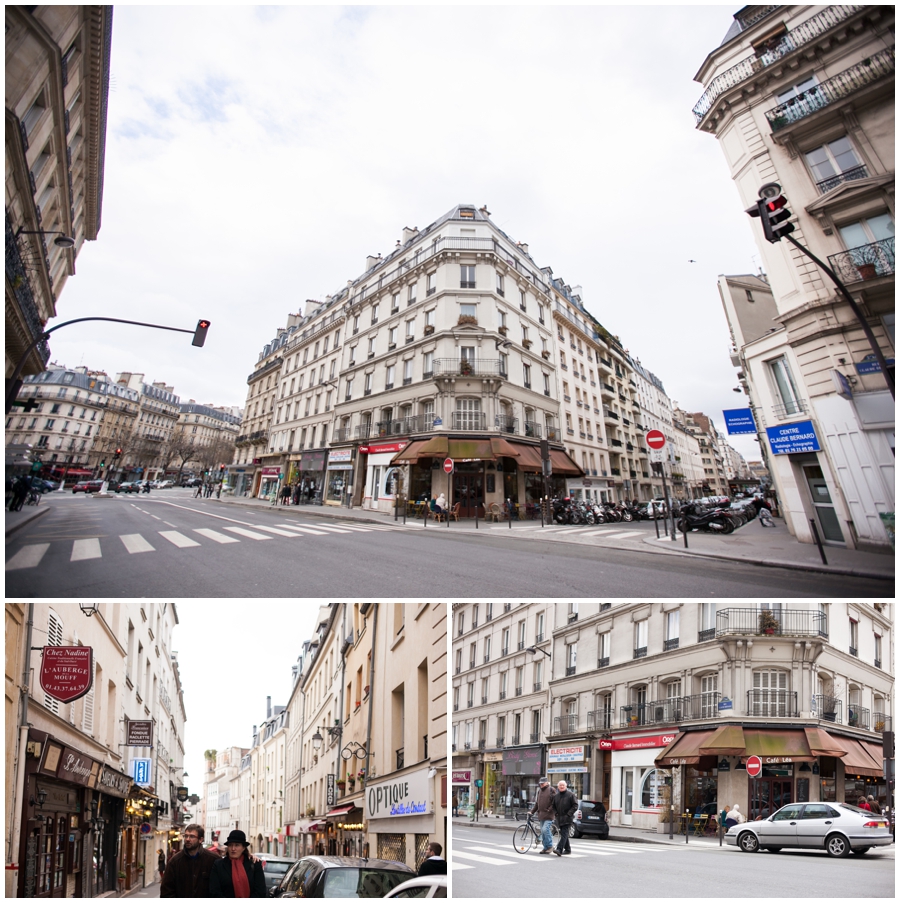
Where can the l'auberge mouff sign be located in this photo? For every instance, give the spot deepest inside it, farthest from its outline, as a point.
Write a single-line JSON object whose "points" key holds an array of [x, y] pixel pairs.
{"points": [[67, 672]]}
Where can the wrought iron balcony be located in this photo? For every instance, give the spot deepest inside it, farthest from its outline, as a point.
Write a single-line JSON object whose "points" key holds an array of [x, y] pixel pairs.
{"points": [[363, 430], [668, 644], [603, 661], [468, 420], [599, 720], [535, 738], [389, 428], [839, 86], [881, 722], [342, 435], [537, 687], [533, 429], [788, 622], [451, 366], [857, 716], [482, 743], [865, 262], [640, 652], [17, 277], [570, 670], [506, 424], [516, 739], [848, 175], [783, 44], [500, 741], [565, 724], [772, 704], [829, 708]]}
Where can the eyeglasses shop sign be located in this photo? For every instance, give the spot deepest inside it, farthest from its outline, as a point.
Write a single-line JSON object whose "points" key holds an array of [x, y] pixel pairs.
{"points": [[409, 795]]}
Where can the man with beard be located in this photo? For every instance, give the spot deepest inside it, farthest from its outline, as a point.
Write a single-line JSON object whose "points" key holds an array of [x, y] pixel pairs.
{"points": [[187, 874]]}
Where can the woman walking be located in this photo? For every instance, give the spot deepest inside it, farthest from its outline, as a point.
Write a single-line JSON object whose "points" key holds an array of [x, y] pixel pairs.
{"points": [[237, 875]]}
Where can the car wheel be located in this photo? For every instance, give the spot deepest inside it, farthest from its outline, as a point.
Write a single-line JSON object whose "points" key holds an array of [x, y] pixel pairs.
{"points": [[748, 842], [860, 851], [837, 845]]}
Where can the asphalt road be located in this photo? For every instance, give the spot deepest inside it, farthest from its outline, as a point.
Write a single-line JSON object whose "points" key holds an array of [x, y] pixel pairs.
{"points": [[480, 859], [170, 545]]}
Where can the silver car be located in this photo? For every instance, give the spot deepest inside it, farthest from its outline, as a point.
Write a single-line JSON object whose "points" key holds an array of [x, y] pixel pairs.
{"points": [[837, 828]]}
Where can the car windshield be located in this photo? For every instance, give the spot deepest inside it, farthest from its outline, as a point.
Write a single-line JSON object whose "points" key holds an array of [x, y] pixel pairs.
{"points": [[361, 882], [851, 808]]}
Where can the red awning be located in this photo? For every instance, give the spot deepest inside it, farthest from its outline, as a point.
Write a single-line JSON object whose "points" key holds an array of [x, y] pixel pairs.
{"points": [[821, 743], [685, 750], [563, 464], [858, 760], [342, 810]]}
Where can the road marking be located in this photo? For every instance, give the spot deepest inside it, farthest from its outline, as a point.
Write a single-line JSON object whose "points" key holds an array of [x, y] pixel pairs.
{"points": [[359, 529], [213, 535], [178, 539], [304, 530], [248, 533], [624, 534], [82, 549], [274, 530], [458, 866], [134, 542], [28, 556], [333, 529], [514, 854], [488, 859], [173, 526]]}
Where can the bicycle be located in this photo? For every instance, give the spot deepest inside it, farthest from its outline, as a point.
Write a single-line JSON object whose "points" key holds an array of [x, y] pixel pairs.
{"points": [[528, 836]]}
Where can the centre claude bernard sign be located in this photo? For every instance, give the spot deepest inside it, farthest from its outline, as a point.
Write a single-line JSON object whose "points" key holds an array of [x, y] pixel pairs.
{"points": [[409, 795]]}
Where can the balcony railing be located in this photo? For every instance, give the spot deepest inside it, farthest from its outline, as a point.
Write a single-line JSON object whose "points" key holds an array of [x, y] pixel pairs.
{"points": [[670, 711], [342, 435], [829, 708], [400, 759], [857, 716], [451, 366], [796, 37], [482, 743], [881, 722], [533, 429], [468, 420], [565, 724], [17, 277], [535, 738], [839, 86], [599, 720], [603, 661], [848, 175], [865, 262], [570, 670], [788, 622], [506, 424], [772, 704], [640, 651], [363, 431]]}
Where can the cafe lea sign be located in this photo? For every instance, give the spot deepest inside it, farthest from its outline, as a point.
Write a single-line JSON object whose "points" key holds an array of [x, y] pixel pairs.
{"points": [[67, 672]]}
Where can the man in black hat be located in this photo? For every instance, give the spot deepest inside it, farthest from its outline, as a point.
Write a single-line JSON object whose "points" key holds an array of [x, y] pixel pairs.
{"points": [[543, 806], [187, 874], [237, 875]]}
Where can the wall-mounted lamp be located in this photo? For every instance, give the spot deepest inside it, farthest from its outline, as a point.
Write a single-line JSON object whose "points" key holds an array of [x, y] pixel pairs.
{"points": [[724, 764], [805, 767], [815, 768], [88, 608], [64, 241]]}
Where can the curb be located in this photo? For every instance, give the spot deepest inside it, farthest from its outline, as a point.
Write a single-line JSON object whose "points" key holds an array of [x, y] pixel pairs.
{"points": [[24, 522]]}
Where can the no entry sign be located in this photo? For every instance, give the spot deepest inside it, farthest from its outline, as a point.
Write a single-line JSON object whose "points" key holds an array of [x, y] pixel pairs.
{"points": [[448, 465], [655, 439], [754, 766]]}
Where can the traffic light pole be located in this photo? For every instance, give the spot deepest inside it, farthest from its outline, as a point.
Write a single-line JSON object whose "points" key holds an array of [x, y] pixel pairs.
{"points": [[11, 381], [867, 330]]}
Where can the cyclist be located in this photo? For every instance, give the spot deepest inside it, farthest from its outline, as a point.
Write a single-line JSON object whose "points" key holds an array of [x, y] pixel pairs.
{"points": [[543, 806]]}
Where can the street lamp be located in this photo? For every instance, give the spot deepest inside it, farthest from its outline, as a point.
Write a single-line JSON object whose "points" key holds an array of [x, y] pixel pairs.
{"points": [[534, 649], [64, 241], [88, 608]]}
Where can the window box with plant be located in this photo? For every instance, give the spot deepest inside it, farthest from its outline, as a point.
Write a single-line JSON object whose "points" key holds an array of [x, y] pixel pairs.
{"points": [[545, 355], [465, 368], [866, 259], [768, 623], [467, 320], [310, 810], [503, 330], [526, 343], [428, 330]]}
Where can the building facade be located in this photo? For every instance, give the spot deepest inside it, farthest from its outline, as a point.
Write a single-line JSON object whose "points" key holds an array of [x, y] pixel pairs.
{"points": [[152, 446], [804, 97], [57, 81]]}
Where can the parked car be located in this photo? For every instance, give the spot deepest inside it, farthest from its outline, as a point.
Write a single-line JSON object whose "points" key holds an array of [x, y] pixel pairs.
{"points": [[88, 486], [275, 868], [590, 819], [341, 876], [193, 481], [129, 486], [165, 484], [426, 886], [48, 485], [836, 828]]}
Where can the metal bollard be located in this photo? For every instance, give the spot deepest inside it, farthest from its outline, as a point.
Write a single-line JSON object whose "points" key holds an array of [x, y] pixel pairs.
{"points": [[685, 536], [542, 511], [687, 826], [509, 513], [818, 541], [656, 524]]}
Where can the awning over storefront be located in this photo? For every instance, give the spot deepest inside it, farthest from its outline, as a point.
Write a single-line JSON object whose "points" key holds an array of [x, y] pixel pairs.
{"points": [[857, 759], [780, 745], [341, 810], [529, 458], [821, 743], [471, 450], [504, 449], [410, 454], [685, 750], [563, 464], [435, 447], [728, 740]]}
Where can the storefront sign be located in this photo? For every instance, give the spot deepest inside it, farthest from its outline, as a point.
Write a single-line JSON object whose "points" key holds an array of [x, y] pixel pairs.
{"points": [[409, 795], [67, 672], [139, 733], [568, 769], [522, 761], [793, 438], [181, 794], [141, 771], [339, 466], [114, 783], [461, 777], [383, 449], [270, 471], [76, 767], [330, 795], [638, 742], [565, 754], [340, 456], [314, 460], [739, 420]]}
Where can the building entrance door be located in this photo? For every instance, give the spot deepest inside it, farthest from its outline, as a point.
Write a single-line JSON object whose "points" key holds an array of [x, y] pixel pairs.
{"points": [[821, 499], [627, 794], [767, 795], [468, 491]]}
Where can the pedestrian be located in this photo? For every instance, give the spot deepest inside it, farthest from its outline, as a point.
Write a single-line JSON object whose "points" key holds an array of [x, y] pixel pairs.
{"points": [[295, 494], [735, 816], [565, 805], [198, 493], [434, 863], [873, 805], [20, 492], [543, 806], [238, 874], [862, 804], [187, 874], [455, 802], [219, 490], [161, 863], [286, 495], [723, 817]]}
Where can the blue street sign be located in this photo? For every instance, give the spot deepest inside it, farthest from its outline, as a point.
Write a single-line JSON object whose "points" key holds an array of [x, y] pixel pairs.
{"points": [[739, 420], [793, 438], [438, 421], [869, 365]]}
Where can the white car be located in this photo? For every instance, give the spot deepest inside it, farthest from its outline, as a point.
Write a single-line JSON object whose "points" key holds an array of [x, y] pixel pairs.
{"points": [[164, 484], [426, 886], [836, 828]]}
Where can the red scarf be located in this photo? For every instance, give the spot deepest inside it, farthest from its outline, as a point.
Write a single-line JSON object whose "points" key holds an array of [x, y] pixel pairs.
{"points": [[239, 878]]}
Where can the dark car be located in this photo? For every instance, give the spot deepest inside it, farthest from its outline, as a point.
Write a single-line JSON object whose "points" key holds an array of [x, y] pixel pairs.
{"points": [[341, 876], [193, 481], [275, 868], [88, 486], [129, 486], [48, 485], [590, 819]]}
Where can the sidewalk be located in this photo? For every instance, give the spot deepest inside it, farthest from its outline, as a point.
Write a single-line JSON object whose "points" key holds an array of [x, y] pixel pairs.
{"points": [[15, 520], [752, 543], [621, 833]]}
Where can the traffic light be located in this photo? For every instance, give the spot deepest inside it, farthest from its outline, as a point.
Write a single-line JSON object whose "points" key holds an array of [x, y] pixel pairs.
{"points": [[118, 454], [200, 333], [102, 465], [772, 209], [221, 468]]}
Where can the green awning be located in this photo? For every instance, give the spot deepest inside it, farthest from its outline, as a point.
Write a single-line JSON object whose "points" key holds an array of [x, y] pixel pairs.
{"points": [[783, 746], [435, 447], [471, 450], [728, 740]]}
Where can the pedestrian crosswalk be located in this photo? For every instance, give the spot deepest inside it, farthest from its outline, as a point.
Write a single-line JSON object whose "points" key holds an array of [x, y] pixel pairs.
{"points": [[31, 554], [472, 854]]}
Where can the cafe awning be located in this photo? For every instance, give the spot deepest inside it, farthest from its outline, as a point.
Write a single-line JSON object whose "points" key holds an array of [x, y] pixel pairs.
{"points": [[529, 458], [341, 810], [728, 740], [504, 449], [685, 750], [857, 759], [410, 454], [783, 745], [563, 464], [435, 447], [821, 743], [471, 450]]}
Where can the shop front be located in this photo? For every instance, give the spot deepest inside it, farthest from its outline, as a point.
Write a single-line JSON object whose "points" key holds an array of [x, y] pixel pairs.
{"points": [[462, 789], [268, 482], [522, 768], [401, 817], [381, 477], [571, 763], [311, 475], [107, 811], [349, 830], [238, 479], [339, 483]]}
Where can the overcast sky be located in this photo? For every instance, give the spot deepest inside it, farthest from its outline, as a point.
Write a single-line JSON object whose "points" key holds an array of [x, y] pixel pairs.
{"points": [[256, 156], [231, 655]]}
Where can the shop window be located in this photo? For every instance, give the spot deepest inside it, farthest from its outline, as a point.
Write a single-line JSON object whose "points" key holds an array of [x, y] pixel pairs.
{"points": [[652, 788]]}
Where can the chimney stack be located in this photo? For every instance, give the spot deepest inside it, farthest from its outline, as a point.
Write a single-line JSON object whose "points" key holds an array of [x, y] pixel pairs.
{"points": [[409, 234], [268, 707]]}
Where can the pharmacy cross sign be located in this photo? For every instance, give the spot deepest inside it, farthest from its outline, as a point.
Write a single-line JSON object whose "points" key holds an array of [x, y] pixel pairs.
{"points": [[656, 439]]}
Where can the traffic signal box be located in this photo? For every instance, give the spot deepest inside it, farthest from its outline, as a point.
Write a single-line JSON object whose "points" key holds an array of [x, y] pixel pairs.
{"points": [[200, 333], [774, 214]]}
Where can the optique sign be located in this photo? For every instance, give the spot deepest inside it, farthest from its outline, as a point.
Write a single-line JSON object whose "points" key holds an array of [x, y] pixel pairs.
{"points": [[67, 672], [409, 795]]}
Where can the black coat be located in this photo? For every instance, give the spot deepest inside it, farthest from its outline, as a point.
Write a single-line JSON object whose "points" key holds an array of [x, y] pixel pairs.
{"points": [[565, 806], [433, 866], [221, 885], [187, 876]]}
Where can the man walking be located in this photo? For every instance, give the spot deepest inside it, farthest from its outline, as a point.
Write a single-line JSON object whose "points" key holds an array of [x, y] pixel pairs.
{"points": [[543, 806], [434, 863], [187, 873], [565, 805]]}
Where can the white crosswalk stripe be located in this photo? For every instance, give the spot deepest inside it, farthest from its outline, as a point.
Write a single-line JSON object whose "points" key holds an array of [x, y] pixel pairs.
{"points": [[177, 539], [248, 533], [214, 536], [83, 549], [274, 530], [489, 860], [28, 557], [301, 530], [331, 529], [135, 543]]}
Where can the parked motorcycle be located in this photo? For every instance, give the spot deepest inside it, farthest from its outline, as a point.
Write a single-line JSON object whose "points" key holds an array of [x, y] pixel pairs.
{"points": [[714, 520]]}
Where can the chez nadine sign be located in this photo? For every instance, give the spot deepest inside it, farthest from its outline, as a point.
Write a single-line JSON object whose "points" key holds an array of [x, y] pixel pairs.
{"points": [[67, 672]]}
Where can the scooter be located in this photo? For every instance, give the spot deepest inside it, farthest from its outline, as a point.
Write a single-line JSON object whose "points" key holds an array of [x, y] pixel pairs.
{"points": [[713, 521]]}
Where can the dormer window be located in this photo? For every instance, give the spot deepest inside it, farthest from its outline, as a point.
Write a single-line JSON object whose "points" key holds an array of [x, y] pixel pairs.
{"points": [[467, 213]]}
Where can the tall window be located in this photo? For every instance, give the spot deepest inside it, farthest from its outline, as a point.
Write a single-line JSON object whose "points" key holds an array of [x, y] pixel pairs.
{"points": [[520, 680], [867, 240], [487, 648], [484, 691], [833, 163], [505, 637], [640, 638], [538, 675], [468, 414], [785, 387], [539, 628], [571, 655], [470, 695], [854, 637], [707, 621], [672, 634], [501, 730], [769, 697], [604, 650], [526, 375], [55, 638], [504, 675], [709, 696], [466, 276], [428, 364]]}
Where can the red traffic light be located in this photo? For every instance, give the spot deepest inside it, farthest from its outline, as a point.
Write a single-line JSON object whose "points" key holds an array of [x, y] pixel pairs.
{"points": [[774, 214], [200, 333], [118, 452]]}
